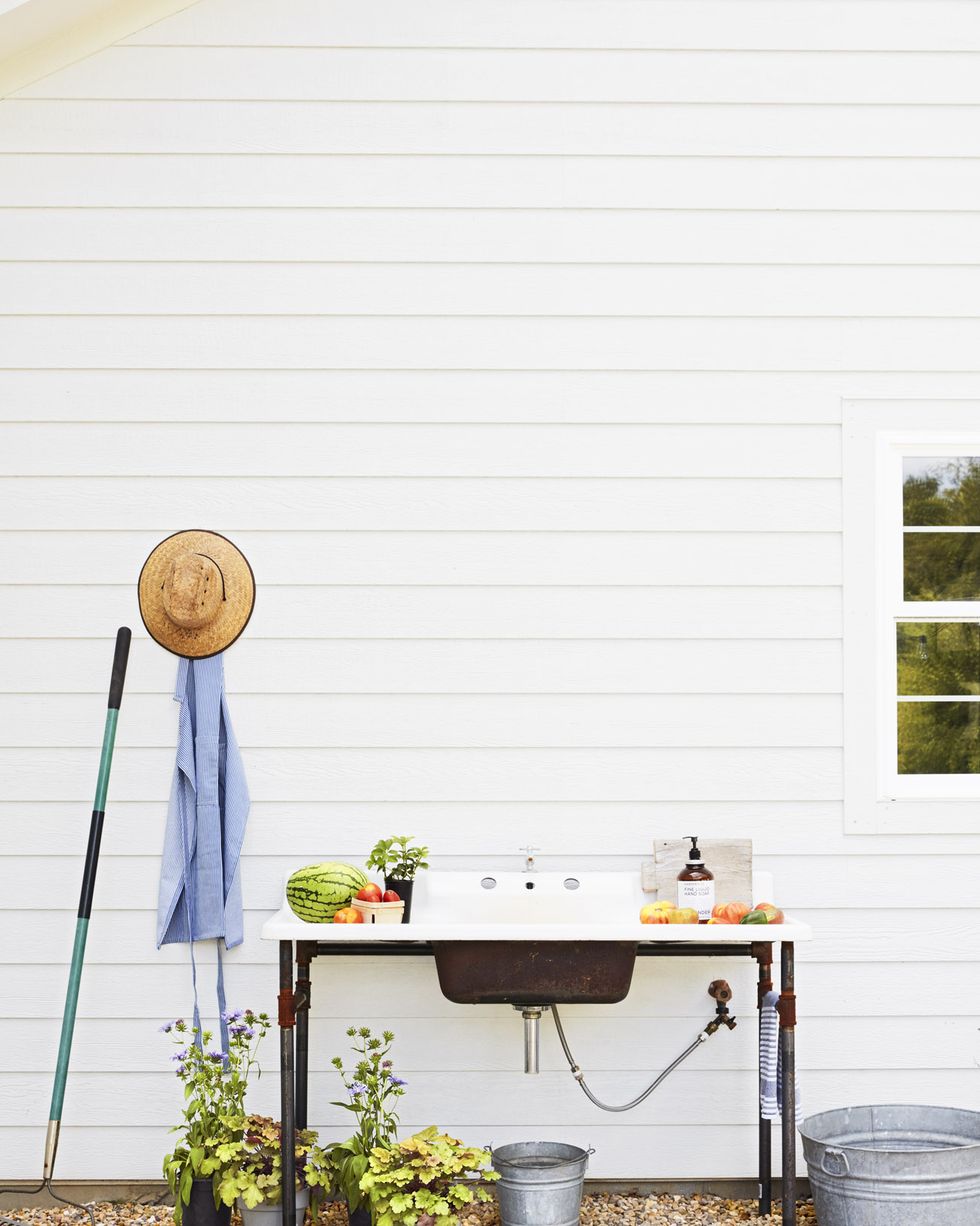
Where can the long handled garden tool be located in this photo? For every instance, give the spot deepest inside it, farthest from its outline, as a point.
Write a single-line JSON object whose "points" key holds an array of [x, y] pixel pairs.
{"points": [[120, 659]]}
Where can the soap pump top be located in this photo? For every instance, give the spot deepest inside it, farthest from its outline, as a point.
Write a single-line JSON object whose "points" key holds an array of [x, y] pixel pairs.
{"points": [[694, 855]]}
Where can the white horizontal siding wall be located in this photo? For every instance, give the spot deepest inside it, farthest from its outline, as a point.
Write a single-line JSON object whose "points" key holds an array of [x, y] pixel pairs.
{"points": [[509, 341]]}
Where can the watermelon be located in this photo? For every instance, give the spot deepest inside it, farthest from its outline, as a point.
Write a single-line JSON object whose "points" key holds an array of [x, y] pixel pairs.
{"points": [[318, 891]]}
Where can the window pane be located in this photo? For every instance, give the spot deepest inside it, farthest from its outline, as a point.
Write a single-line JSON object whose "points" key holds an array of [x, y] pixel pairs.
{"points": [[941, 490], [942, 565], [938, 738], [938, 658]]}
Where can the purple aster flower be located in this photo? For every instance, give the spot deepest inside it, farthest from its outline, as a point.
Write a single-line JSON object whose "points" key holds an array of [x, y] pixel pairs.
{"points": [[166, 1027], [396, 1081], [179, 1056], [216, 1056], [181, 1070], [357, 1088]]}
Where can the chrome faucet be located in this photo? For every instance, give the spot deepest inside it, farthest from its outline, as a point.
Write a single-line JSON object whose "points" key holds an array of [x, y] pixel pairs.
{"points": [[529, 857]]}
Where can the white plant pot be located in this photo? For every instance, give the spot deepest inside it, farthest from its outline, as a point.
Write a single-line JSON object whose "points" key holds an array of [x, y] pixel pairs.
{"points": [[271, 1215]]}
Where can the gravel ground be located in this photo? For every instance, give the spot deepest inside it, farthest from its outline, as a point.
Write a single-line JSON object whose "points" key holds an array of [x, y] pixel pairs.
{"points": [[601, 1209]]}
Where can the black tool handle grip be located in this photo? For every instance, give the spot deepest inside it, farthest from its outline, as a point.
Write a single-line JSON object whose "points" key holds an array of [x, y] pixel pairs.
{"points": [[119, 661]]}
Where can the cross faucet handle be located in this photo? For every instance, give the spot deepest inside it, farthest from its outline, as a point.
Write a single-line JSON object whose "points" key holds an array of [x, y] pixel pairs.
{"points": [[529, 851]]}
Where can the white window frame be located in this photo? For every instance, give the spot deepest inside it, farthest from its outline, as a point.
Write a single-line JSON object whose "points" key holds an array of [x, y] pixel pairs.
{"points": [[876, 436]]}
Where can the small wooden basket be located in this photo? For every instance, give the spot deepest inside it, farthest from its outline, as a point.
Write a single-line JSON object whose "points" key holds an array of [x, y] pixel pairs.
{"points": [[380, 912]]}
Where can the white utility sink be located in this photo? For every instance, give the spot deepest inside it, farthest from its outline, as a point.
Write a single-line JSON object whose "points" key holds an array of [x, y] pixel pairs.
{"points": [[534, 937], [522, 906]]}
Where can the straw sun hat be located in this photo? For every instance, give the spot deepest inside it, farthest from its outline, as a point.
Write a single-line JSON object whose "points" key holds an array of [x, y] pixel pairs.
{"points": [[196, 593]]}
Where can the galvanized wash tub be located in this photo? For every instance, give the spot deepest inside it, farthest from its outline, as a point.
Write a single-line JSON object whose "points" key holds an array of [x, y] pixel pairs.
{"points": [[894, 1165], [540, 1183]]}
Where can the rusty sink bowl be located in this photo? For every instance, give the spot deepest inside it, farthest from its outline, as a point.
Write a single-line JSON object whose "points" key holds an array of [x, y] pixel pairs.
{"points": [[535, 972]]}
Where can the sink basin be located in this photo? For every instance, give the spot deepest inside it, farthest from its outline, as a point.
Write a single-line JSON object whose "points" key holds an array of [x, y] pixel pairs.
{"points": [[517, 969], [534, 972], [531, 938]]}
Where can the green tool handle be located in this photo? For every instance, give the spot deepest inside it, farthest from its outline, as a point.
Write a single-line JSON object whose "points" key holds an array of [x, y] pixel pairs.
{"points": [[120, 659]]}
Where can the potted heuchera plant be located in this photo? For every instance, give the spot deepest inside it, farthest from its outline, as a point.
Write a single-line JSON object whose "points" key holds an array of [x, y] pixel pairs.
{"points": [[372, 1091], [249, 1165], [214, 1088], [427, 1179], [400, 863]]}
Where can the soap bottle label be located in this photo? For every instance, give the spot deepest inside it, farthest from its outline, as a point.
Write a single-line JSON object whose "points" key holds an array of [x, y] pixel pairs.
{"points": [[697, 894]]}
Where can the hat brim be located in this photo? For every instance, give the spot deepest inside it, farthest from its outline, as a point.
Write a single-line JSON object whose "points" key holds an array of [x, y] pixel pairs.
{"points": [[233, 613]]}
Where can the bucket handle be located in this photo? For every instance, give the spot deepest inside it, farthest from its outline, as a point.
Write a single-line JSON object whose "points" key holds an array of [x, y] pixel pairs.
{"points": [[834, 1162], [559, 1162]]}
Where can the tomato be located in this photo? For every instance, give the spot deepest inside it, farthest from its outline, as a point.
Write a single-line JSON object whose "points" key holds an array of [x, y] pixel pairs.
{"points": [[348, 915], [391, 896], [730, 912], [370, 893], [773, 913], [653, 913], [683, 915]]}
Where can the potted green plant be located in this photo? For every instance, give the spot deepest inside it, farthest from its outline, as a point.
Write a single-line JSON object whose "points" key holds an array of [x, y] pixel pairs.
{"points": [[399, 861], [248, 1162], [427, 1179], [214, 1088], [372, 1092]]}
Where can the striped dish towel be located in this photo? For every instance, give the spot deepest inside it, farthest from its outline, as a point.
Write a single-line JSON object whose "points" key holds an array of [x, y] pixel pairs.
{"points": [[770, 1064]]}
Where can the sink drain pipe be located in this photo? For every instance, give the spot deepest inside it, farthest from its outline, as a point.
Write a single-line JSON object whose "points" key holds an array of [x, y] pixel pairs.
{"points": [[721, 993]]}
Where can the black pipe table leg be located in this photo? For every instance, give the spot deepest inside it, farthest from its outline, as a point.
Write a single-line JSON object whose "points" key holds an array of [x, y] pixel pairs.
{"points": [[763, 954], [302, 1032], [787, 1050], [287, 1022]]}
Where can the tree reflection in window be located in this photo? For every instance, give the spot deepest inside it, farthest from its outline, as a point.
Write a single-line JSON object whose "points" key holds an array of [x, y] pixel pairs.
{"points": [[941, 658], [941, 491]]}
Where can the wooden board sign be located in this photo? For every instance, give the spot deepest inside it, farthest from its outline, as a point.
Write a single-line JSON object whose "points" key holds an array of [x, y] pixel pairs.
{"points": [[729, 859]]}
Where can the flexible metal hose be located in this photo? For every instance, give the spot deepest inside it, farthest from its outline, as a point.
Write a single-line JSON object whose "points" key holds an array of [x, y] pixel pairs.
{"points": [[580, 1076]]}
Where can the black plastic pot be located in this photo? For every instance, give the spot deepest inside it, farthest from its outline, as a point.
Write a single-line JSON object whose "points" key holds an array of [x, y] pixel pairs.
{"points": [[200, 1209], [404, 891], [362, 1216]]}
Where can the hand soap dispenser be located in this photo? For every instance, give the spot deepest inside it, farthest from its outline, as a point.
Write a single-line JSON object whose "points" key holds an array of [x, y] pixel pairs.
{"points": [[695, 884]]}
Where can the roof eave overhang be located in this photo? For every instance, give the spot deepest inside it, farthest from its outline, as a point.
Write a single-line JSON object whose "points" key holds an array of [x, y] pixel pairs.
{"points": [[37, 37]]}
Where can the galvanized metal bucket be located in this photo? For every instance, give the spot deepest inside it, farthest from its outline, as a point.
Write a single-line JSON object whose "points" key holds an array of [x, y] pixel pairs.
{"points": [[894, 1165], [540, 1183]]}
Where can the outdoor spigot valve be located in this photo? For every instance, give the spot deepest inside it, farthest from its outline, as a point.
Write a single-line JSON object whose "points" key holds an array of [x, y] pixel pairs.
{"points": [[720, 991]]}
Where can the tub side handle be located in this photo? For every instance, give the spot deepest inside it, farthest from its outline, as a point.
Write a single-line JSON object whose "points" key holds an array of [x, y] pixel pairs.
{"points": [[834, 1162]]}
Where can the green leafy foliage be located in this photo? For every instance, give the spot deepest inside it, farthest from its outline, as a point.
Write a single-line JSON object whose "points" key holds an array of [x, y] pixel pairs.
{"points": [[944, 491], [938, 658], [942, 566], [941, 658], [247, 1160], [427, 1179], [395, 857], [214, 1089], [372, 1092], [939, 738]]}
